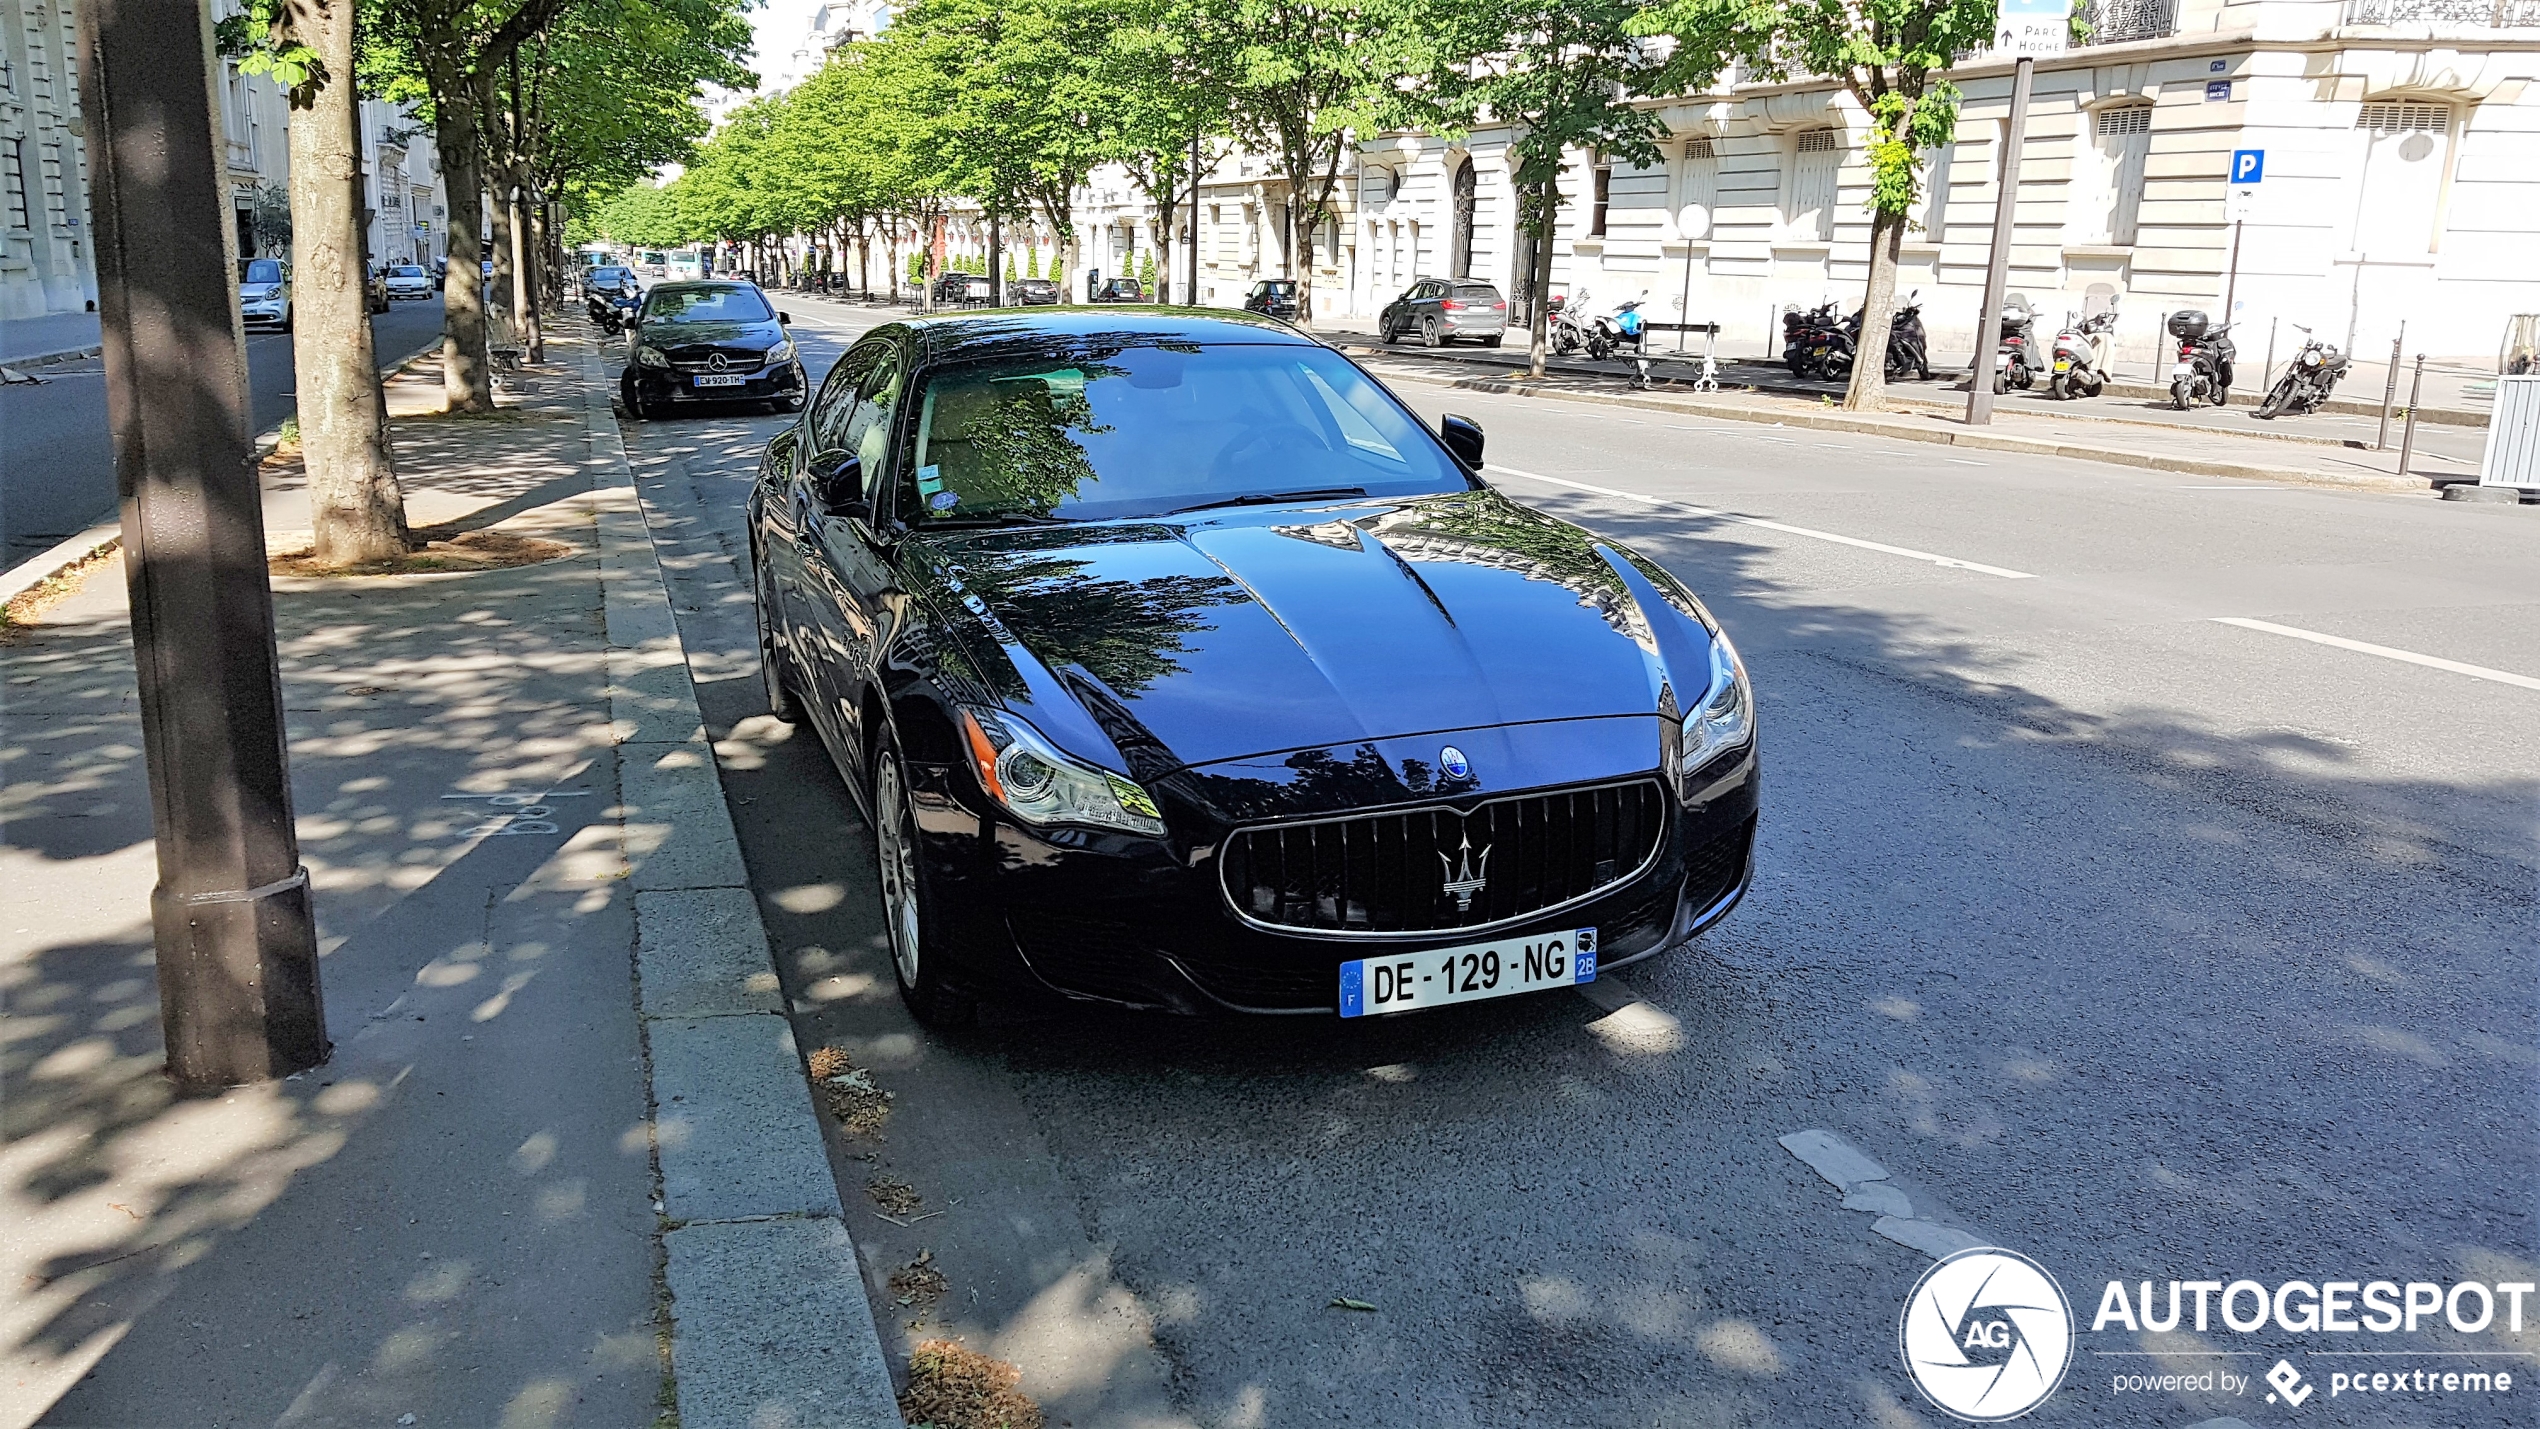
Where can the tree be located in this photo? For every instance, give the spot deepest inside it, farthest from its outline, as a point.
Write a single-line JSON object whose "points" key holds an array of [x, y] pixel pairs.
{"points": [[455, 49], [640, 216], [1306, 80], [1885, 53], [1162, 106], [1561, 73], [357, 511]]}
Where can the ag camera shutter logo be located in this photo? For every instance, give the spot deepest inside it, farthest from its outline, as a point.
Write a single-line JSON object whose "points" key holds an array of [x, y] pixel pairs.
{"points": [[1986, 1335]]}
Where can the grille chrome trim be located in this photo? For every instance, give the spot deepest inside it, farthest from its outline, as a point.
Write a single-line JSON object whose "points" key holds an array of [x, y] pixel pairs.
{"points": [[1664, 803]]}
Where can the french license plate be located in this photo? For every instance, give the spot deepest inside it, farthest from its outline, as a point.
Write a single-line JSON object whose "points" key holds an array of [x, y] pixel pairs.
{"points": [[719, 379], [1472, 973], [2063, 364], [2184, 369]]}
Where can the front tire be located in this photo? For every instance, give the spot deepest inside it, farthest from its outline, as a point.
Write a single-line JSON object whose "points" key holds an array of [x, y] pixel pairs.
{"points": [[916, 951], [2178, 394]]}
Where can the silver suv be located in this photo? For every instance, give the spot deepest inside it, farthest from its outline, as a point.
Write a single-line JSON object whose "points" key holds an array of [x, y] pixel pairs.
{"points": [[1441, 310]]}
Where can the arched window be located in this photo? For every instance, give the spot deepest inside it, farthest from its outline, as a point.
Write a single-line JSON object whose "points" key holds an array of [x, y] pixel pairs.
{"points": [[1467, 187], [2108, 174], [2407, 152], [1701, 189], [1812, 186]]}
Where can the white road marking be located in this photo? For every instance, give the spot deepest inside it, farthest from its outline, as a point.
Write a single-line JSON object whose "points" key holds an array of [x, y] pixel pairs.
{"points": [[1951, 562], [1962, 461], [2431, 662]]}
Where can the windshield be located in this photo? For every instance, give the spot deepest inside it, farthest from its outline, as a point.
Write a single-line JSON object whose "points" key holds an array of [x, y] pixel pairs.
{"points": [[408, 271], [707, 305], [260, 270], [1154, 430]]}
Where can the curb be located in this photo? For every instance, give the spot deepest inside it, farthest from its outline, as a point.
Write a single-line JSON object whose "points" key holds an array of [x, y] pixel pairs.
{"points": [[53, 359], [770, 1323], [1906, 431]]}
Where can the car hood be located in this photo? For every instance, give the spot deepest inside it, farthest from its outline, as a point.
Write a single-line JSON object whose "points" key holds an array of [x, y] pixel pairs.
{"points": [[1189, 641], [685, 334]]}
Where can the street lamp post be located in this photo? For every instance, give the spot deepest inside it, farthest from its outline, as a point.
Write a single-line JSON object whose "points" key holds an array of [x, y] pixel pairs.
{"points": [[1997, 272], [235, 936]]}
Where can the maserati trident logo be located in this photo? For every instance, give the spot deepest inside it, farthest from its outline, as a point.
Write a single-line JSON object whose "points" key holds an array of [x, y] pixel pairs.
{"points": [[1463, 879], [1451, 760]]}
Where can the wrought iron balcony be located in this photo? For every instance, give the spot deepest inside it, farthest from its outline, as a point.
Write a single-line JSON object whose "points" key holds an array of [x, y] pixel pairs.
{"points": [[2468, 14], [2114, 22]]}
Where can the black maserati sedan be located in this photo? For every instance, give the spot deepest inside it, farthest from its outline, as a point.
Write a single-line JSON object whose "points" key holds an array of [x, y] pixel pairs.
{"points": [[1178, 664], [709, 342]]}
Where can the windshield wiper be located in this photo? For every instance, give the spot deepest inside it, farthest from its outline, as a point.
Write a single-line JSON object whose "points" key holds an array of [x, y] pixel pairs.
{"points": [[1001, 518], [1272, 498]]}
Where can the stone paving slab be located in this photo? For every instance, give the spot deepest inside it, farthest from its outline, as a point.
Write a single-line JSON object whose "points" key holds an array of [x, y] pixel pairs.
{"points": [[748, 1290]]}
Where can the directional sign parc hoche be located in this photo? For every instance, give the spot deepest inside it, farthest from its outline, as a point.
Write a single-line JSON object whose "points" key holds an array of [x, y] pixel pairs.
{"points": [[2248, 166]]}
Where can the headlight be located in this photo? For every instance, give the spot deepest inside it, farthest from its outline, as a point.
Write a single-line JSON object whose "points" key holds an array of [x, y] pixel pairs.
{"points": [[1725, 718], [1040, 785], [783, 351], [651, 357]]}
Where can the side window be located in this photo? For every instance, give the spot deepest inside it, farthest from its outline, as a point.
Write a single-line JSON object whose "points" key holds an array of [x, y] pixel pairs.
{"points": [[835, 408], [877, 402]]}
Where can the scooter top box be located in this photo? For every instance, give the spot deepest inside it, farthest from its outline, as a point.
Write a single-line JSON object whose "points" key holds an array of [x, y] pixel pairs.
{"points": [[2190, 324]]}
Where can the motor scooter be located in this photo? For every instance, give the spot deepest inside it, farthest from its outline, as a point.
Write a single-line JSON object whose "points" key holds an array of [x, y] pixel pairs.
{"points": [[1908, 352], [2015, 360], [1608, 333], [2307, 380], [2205, 354], [2081, 356]]}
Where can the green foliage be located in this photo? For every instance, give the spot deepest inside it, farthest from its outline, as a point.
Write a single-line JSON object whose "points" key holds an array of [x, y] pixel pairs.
{"points": [[1032, 265], [1146, 266], [640, 216], [259, 40]]}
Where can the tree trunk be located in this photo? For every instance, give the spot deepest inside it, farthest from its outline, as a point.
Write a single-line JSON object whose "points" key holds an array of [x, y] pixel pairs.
{"points": [[355, 505], [467, 381], [1539, 289], [503, 294], [1869, 359], [525, 233], [1293, 240]]}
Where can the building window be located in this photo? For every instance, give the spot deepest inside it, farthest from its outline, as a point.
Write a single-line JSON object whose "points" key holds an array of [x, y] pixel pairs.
{"points": [[1604, 201], [56, 201], [2407, 155], [13, 180], [2108, 177], [1812, 186], [1701, 189]]}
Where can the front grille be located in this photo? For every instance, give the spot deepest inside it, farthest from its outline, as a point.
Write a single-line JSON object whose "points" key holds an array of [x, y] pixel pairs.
{"points": [[700, 358], [1436, 870]]}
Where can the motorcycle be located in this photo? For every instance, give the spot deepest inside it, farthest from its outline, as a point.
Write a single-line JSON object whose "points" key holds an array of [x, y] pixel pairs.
{"points": [[2081, 356], [2015, 361], [1569, 326], [1609, 332], [2205, 354], [1907, 348], [2307, 380], [1801, 334]]}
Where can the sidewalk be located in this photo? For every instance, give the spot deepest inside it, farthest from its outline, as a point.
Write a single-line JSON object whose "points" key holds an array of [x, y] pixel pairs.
{"points": [[50, 335], [563, 1166], [2166, 448]]}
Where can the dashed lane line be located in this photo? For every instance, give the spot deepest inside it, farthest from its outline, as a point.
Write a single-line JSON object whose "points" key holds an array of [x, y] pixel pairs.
{"points": [[1908, 552], [2431, 662]]}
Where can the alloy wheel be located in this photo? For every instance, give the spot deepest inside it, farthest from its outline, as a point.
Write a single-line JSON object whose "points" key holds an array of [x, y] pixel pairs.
{"points": [[897, 851]]}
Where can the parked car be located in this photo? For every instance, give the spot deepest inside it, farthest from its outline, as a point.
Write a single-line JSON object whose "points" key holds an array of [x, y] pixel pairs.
{"points": [[440, 270], [612, 279], [408, 280], [264, 293], [1034, 292], [709, 342], [1441, 310], [1272, 297], [1101, 619], [961, 288], [1121, 290]]}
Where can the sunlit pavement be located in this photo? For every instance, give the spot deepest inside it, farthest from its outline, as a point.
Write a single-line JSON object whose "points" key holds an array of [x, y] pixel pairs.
{"points": [[2146, 945]]}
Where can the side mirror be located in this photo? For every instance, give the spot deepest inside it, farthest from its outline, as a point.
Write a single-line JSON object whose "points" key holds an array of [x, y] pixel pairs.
{"points": [[838, 478], [785, 319], [1463, 436]]}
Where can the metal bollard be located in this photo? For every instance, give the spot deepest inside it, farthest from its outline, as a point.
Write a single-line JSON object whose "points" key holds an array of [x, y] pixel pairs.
{"points": [[2266, 374], [2389, 392], [2408, 433]]}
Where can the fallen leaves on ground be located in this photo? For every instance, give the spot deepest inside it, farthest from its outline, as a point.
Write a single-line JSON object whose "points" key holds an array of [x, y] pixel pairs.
{"points": [[848, 1091], [895, 1196], [919, 1280], [28, 606], [951, 1386]]}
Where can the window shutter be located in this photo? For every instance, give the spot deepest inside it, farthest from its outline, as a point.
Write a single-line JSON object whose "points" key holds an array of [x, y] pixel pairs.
{"points": [[2404, 118]]}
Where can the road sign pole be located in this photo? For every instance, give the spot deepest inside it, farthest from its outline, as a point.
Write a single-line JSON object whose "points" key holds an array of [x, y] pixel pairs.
{"points": [[2390, 391], [235, 937], [2231, 286], [1997, 272]]}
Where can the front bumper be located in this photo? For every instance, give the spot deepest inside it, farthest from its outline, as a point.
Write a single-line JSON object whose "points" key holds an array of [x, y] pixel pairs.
{"points": [[262, 316], [658, 385], [1110, 918]]}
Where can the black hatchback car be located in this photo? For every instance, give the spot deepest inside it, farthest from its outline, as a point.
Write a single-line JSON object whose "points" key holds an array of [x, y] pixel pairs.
{"points": [[1272, 298], [1178, 664], [1033, 292], [709, 342]]}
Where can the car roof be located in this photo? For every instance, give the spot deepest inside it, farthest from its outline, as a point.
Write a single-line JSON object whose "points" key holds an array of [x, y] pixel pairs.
{"points": [[707, 285], [1070, 328]]}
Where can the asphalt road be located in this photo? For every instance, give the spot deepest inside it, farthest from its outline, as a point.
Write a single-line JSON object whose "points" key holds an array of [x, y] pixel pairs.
{"points": [[57, 474], [2150, 946]]}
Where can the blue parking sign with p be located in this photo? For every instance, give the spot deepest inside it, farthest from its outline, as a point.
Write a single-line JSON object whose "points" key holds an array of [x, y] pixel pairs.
{"points": [[2248, 166]]}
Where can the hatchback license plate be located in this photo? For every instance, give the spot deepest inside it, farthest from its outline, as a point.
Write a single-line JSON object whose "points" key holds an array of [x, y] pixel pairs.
{"points": [[721, 379], [1472, 973]]}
